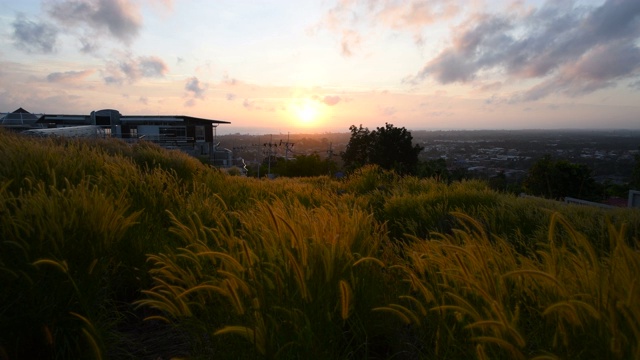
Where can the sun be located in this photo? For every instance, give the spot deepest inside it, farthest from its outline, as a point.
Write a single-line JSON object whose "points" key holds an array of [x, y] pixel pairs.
{"points": [[306, 112]]}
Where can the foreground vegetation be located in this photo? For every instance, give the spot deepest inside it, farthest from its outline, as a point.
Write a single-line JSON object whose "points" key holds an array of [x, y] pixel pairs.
{"points": [[117, 251]]}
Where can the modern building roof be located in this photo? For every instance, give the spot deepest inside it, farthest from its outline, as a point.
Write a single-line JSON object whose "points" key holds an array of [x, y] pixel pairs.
{"points": [[133, 118], [19, 118], [68, 119]]}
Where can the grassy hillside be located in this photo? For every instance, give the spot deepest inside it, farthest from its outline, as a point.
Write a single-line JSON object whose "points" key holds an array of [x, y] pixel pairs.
{"points": [[125, 251]]}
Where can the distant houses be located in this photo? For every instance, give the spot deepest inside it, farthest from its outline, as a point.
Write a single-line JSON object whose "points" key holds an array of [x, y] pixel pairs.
{"points": [[195, 136]]}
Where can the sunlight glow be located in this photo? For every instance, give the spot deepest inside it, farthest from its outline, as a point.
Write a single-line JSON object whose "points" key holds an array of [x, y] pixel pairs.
{"points": [[307, 112]]}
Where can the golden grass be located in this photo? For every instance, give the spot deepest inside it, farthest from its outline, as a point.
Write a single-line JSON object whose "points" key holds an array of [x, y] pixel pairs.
{"points": [[374, 266], [511, 305]]}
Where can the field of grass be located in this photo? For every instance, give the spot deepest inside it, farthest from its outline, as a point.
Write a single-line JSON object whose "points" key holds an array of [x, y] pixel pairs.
{"points": [[120, 251]]}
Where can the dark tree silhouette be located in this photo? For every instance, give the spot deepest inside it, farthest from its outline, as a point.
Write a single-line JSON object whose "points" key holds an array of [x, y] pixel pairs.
{"points": [[556, 179], [304, 166], [436, 168], [389, 147], [358, 151], [634, 183]]}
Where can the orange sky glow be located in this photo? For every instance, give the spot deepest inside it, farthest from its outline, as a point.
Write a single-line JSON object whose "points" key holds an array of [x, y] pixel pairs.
{"points": [[321, 66]]}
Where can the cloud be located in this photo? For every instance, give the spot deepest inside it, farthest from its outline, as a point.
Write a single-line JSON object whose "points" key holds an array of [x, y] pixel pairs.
{"points": [[570, 49], [152, 66], [132, 70], [194, 87], [414, 14], [331, 100], [229, 80], [599, 68], [356, 20], [251, 105], [120, 19], [88, 46], [350, 40], [68, 76], [34, 37]]}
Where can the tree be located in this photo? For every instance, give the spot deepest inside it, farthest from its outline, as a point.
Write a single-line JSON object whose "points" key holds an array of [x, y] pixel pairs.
{"points": [[304, 166], [634, 183], [436, 168], [498, 182], [556, 179], [389, 147], [358, 151]]}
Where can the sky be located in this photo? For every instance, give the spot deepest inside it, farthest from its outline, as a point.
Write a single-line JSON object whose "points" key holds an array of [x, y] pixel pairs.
{"points": [[322, 66]]}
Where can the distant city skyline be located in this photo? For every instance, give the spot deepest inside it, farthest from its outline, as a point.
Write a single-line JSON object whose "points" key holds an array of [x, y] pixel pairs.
{"points": [[321, 66]]}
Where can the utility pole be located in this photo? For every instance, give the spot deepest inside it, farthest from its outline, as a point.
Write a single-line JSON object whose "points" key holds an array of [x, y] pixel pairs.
{"points": [[269, 146], [330, 155], [288, 146], [260, 162], [330, 151]]}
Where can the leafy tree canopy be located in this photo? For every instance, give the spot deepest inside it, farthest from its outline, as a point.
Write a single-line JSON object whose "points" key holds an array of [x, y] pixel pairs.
{"points": [[389, 147], [556, 179]]}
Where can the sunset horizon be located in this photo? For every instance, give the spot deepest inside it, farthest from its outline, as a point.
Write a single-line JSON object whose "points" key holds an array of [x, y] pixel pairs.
{"points": [[322, 66]]}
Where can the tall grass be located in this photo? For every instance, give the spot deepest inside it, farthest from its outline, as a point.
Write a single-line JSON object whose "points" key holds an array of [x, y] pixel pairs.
{"points": [[285, 286], [481, 298], [99, 235], [60, 252]]}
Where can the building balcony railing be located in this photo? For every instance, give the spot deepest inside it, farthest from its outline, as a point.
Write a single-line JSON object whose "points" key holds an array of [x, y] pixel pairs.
{"points": [[160, 139]]}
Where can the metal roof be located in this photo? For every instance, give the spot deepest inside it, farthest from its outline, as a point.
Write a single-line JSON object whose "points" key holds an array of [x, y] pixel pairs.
{"points": [[169, 118]]}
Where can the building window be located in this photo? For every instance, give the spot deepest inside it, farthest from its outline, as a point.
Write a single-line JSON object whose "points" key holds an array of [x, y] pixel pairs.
{"points": [[173, 131], [199, 133]]}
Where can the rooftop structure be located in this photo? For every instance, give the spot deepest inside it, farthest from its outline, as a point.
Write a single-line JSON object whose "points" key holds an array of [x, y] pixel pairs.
{"points": [[193, 135], [18, 120]]}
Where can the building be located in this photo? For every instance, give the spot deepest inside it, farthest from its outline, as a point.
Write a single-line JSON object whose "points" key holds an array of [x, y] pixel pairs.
{"points": [[195, 136], [19, 120]]}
